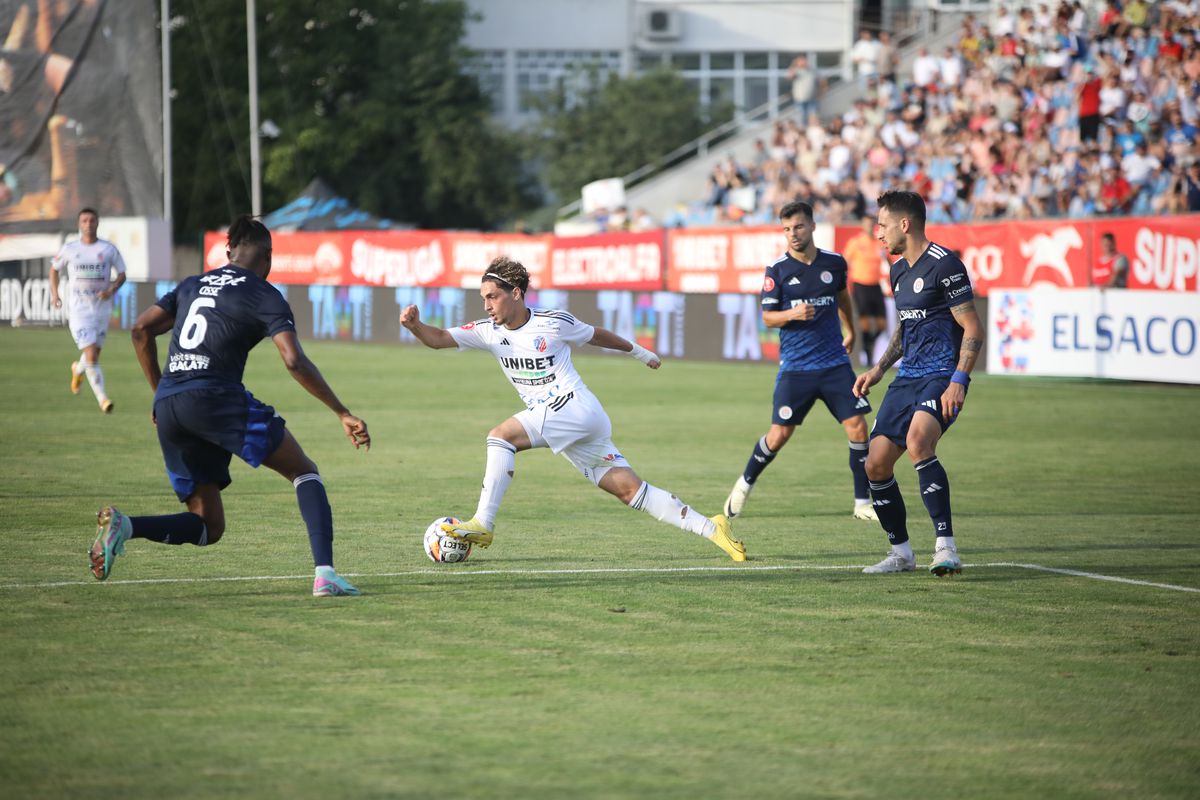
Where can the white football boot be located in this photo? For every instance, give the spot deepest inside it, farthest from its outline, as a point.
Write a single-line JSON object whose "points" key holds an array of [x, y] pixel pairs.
{"points": [[737, 498], [946, 562], [895, 562], [865, 511]]}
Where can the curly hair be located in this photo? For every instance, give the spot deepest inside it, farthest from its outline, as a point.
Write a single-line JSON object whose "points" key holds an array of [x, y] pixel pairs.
{"points": [[508, 273]]}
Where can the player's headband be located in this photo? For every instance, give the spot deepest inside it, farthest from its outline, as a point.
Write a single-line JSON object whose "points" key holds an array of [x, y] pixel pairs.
{"points": [[498, 279]]}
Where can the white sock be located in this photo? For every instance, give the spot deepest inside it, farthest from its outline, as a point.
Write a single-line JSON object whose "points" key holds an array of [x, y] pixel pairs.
{"points": [[904, 549], [95, 377], [79, 366], [666, 507], [497, 475], [946, 542]]}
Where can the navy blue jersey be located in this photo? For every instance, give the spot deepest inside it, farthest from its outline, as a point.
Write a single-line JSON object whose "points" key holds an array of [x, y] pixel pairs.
{"points": [[219, 317], [815, 343], [924, 294]]}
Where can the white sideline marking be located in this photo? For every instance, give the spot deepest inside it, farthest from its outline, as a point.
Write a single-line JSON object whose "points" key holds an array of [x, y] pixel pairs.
{"points": [[1094, 576], [450, 572]]}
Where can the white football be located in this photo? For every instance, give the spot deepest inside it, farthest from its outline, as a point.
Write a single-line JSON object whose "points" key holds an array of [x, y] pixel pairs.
{"points": [[441, 546]]}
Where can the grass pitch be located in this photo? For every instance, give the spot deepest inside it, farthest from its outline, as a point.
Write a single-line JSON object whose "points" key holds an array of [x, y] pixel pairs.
{"points": [[592, 652]]}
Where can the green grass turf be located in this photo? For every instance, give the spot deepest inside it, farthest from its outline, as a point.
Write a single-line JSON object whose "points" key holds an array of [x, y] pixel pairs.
{"points": [[810, 680]]}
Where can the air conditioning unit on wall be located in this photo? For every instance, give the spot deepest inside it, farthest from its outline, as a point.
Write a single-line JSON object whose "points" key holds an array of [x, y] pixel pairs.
{"points": [[661, 23]]}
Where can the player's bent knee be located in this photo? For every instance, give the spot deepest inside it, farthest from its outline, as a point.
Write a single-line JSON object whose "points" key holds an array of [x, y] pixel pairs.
{"points": [[878, 469]]}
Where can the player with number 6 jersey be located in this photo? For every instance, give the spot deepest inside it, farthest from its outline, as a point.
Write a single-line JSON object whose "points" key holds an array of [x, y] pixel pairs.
{"points": [[204, 415]]}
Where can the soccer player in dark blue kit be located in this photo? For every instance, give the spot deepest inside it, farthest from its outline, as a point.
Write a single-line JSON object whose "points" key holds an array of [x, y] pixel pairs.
{"points": [[939, 337], [204, 414], [804, 294]]}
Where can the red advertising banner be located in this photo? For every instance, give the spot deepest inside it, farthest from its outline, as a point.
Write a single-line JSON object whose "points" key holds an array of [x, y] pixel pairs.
{"points": [[470, 253], [632, 261], [1164, 254], [397, 258], [719, 260]]}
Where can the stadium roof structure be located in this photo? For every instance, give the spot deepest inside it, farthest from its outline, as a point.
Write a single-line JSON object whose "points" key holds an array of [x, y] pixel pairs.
{"points": [[319, 208]]}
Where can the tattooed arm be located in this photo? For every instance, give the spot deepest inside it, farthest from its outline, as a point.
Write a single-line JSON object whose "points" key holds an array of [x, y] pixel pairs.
{"points": [[968, 353]]}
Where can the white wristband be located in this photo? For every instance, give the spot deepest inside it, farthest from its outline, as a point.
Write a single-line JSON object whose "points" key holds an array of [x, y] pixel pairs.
{"points": [[642, 354]]}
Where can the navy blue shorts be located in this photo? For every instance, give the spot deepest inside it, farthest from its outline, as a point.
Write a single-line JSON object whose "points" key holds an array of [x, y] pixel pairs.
{"points": [[202, 429], [905, 397], [795, 393]]}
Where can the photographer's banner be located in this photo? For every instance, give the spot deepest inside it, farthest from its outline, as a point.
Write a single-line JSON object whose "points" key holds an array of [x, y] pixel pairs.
{"points": [[1131, 335]]}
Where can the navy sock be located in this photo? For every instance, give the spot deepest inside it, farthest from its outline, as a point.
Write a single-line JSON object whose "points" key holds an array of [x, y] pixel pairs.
{"points": [[858, 468], [889, 506], [758, 461], [318, 517], [935, 491], [185, 528]]}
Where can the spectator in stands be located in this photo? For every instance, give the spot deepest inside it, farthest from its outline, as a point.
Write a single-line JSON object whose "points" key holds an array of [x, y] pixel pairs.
{"points": [[886, 58], [1088, 106], [1111, 270], [1134, 15], [926, 69], [1003, 24], [1116, 194], [806, 86], [1189, 187], [865, 57]]}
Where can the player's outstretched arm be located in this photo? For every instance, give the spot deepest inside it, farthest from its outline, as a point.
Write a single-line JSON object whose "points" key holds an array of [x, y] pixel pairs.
{"points": [[305, 372], [151, 323], [610, 341], [437, 338], [895, 349], [955, 395]]}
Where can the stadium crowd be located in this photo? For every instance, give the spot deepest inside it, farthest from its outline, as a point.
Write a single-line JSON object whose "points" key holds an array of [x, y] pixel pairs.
{"points": [[1035, 113]]}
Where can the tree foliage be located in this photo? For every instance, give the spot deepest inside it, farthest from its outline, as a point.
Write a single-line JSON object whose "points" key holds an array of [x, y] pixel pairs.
{"points": [[608, 129], [370, 96]]}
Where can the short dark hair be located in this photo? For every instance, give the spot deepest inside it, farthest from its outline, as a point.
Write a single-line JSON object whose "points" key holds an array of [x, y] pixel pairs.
{"points": [[1109, 236], [906, 204], [88, 210], [508, 272], [247, 230], [796, 207]]}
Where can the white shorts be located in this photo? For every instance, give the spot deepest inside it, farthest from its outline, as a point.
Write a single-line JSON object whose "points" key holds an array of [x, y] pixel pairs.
{"points": [[577, 429], [89, 328]]}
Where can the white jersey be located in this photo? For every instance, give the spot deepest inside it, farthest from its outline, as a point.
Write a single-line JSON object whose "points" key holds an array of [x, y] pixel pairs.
{"points": [[89, 270], [536, 357]]}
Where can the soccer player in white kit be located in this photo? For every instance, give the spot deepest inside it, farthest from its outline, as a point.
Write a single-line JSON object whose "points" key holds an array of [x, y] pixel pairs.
{"points": [[533, 347], [90, 264]]}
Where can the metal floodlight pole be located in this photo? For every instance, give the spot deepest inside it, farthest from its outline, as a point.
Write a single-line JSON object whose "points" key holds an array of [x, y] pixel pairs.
{"points": [[165, 32], [255, 166]]}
